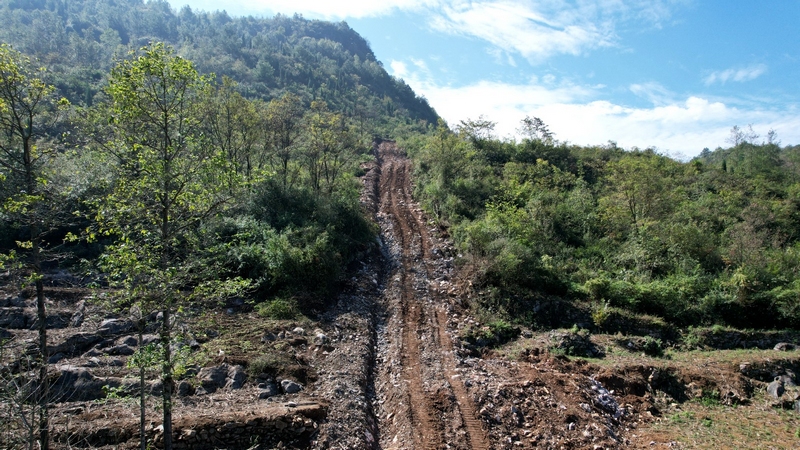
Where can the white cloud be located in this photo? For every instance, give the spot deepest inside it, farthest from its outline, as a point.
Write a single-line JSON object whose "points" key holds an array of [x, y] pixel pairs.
{"points": [[653, 92], [578, 114], [399, 68], [534, 29], [738, 75]]}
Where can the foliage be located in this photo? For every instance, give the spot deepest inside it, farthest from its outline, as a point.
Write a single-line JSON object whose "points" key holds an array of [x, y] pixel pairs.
{"points": [[278, 309], [685, 241]]}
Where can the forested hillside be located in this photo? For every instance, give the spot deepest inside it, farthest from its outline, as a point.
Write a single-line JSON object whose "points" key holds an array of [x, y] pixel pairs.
{"points": [[714, 240], [78, 40], [292, 105]]}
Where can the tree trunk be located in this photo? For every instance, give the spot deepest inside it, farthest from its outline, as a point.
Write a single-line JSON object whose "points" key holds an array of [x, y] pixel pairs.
{"points": [[142, 393], [166, 378]]}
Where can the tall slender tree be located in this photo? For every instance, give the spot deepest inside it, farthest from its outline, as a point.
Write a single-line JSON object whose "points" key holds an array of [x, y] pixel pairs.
{"points": [[29, 203], [168, 181]]}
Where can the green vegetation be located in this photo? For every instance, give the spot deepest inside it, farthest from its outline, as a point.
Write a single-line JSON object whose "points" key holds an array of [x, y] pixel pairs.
{"points": [[694, 243]]}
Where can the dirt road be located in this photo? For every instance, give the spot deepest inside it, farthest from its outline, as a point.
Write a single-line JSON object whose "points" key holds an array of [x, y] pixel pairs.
{"points": [[423, 403]]}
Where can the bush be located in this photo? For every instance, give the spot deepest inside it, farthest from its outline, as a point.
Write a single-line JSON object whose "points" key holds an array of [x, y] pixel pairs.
{"points": [[652, 347], [278, 309]]}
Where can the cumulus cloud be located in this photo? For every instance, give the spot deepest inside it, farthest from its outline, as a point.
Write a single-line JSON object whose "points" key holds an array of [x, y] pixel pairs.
{"points": [[580, 114], [536, 30], [739, 75]]}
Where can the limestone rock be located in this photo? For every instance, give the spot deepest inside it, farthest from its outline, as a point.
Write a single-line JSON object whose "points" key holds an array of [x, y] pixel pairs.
{"points": [[776, 389], [290, 387]]}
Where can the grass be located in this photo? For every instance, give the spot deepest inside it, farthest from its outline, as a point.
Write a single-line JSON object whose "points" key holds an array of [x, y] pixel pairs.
{"points": [[708, 424]]}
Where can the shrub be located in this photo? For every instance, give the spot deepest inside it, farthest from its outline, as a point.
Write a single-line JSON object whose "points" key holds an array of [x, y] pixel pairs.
{"points": [[278, 309], [653, 347]]}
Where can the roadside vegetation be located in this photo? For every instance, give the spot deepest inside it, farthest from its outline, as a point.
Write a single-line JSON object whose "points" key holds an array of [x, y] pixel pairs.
{"points": [[711, 241]]}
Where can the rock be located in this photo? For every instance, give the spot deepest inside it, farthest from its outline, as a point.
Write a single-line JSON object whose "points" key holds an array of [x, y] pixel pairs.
{"points": [[184, 388], [114, 326], [78, 384], [268, 337], [787, 380], [236, 377], [76, 344], [76, 320], [131, 341], [321, 339], [290, 387], [56, 358], [213, 378], [13, 318], [784, 346], [5, 334], [200, 391], [299, 331], [268, 390], [776, 388], [148, 339], [120, 350]]}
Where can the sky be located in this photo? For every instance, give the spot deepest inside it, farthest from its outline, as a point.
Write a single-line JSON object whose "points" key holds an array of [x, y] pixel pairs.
{"points": [[674, 75]]}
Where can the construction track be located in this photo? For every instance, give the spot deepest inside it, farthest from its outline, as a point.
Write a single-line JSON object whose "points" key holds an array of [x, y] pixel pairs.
{"points": [[423, 401]]}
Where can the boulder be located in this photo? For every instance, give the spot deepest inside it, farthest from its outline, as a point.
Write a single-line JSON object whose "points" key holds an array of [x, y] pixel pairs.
{"points": [[76, 344], [114, 326], [213, 378], [267, 390], [236, 377], [120, 350], [784, 346], [184, 388], [131, 341], [78, 384], [13, 318], [321, 339], [290, 387], [776, 389]]}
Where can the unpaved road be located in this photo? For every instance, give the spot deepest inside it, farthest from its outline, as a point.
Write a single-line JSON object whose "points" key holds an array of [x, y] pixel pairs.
{"points": [[423, 401]]}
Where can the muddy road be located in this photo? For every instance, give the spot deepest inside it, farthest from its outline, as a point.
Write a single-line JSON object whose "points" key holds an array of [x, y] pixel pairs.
{"points": [[422, 403]]}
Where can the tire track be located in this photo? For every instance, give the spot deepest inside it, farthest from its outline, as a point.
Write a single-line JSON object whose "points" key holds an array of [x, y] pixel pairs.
{"points": [[438, 410]]}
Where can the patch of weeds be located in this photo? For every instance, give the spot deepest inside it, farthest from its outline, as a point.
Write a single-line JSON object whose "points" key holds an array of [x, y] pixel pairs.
{"points": [[494, 333], [278, 309], [653, 347], [693, 339], [574, 342], [601, 313], [271, 364], [710, 399], [682, 417], [707, 422]]}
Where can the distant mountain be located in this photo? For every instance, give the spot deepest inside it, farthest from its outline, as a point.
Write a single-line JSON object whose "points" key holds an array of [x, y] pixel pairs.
{"points": [[79, 39]]}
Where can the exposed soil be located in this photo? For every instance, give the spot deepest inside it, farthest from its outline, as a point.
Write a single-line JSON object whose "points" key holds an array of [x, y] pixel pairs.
{"points": [[387, 366]]}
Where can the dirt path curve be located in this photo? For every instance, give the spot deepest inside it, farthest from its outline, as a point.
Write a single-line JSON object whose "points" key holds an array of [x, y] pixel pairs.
{"points": [[422, 401]]}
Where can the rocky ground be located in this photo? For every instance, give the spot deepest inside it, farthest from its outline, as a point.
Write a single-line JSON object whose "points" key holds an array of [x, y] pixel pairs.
{"points": [[397, 362]]}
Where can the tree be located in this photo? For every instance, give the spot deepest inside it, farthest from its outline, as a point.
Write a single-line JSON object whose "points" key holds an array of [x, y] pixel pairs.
{"points": [[167, 182], [231, 124], [29, 201], [284, 125], [328, 147], [534, 128]]}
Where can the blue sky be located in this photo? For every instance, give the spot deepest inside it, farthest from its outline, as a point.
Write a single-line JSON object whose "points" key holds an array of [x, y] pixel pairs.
{"points": [[671, 74]]}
